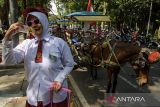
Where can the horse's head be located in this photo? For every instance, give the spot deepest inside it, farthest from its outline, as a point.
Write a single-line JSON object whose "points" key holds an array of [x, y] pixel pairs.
{"points": [[143, 75], [87, 47], [141, 67]]}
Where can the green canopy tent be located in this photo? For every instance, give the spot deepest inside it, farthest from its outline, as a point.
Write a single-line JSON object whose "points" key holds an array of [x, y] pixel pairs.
{"points": [[88, 16], [64, 22]]}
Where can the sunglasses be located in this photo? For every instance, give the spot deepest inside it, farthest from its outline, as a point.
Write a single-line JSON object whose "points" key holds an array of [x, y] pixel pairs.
{"points": [[29, 23]]}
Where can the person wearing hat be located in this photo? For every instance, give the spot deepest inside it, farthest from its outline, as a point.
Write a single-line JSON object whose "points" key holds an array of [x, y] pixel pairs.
{"points": [[47, 61]]}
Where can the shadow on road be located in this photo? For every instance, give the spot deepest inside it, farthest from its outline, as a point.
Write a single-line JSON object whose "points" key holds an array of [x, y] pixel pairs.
{"points": [[94, 90]]}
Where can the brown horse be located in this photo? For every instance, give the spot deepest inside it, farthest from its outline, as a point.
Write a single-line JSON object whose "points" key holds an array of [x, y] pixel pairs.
{"points": [[112, 55]]}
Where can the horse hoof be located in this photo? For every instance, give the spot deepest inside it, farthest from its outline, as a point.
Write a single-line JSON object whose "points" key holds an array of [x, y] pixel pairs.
{"points": [[93, 78]]}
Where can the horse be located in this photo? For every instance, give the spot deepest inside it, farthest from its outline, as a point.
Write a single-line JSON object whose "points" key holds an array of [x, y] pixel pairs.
{"points": [[112, 55]]}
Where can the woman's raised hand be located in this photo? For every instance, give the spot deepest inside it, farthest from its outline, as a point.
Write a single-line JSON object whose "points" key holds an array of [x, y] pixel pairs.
{"points": [[13, 29]]}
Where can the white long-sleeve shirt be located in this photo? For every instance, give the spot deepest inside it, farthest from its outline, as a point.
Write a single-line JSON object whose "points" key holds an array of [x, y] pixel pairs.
{"points": [[56, 64]]}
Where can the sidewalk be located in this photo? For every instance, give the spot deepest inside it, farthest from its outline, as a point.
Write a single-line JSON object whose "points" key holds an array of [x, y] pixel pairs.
{"points": [[12, 87]]}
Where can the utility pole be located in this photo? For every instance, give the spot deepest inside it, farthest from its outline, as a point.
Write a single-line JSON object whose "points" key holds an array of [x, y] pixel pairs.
{"points": [[150, 12], [13, 6]]}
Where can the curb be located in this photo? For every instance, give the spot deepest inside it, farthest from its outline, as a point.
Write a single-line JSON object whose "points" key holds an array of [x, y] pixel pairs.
{"points": [[78, 92], [2, 66]]}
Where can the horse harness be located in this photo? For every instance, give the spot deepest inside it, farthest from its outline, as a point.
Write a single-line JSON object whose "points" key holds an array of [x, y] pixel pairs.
{"points": [[140, 60], [103, 63]]}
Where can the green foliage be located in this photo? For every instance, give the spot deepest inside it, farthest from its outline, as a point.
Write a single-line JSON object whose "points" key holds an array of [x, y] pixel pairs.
{"points": [[133, 11], [120, 11], [1, 3], [70, 6]]}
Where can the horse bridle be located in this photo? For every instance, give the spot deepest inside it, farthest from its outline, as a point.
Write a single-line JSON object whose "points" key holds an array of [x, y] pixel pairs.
{"points": [[103, 62]]}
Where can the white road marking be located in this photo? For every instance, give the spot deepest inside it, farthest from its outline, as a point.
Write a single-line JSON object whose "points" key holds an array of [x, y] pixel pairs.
{"points": [[131, 84]]}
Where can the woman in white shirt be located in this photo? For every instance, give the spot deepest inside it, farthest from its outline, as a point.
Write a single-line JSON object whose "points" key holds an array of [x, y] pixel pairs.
{"points": [[47, 61]]}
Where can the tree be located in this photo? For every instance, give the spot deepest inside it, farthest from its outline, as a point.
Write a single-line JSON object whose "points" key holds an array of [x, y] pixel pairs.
{"points": [[4, 5], [22, 4], [133, 11]]}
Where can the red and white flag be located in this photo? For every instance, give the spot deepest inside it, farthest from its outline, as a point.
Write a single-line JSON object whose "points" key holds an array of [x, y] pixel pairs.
{"points": [[89, 9], [89, 6]]}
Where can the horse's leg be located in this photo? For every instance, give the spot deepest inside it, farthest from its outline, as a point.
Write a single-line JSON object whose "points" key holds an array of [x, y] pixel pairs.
{"points": [[115, 76], [91, 68], [94, 73], [109, 82]]}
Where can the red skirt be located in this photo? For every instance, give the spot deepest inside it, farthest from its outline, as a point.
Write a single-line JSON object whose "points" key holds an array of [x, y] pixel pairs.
{"points": [[60, 104]]}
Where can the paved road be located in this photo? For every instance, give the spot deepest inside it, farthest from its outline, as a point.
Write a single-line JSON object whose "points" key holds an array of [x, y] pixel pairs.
{"points": [[94, 90]]}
